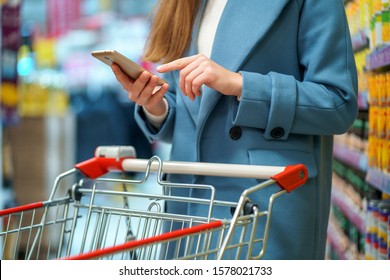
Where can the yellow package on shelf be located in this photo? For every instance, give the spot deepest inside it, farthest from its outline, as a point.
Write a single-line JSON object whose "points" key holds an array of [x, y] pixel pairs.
{"points": [[9, 95]]}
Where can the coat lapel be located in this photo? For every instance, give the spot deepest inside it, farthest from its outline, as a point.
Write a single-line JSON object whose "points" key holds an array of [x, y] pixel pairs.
{"points": [[193, 106], [243, 24]]}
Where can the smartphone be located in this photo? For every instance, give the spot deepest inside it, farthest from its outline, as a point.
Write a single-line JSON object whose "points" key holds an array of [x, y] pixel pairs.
{"points": [[131, 68]]}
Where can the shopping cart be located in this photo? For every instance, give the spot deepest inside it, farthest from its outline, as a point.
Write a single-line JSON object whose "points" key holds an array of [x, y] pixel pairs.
{"points": [[78, 223]]}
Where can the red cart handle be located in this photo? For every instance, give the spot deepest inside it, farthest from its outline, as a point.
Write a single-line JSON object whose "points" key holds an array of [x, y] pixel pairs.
{"points": [[107, 158], [292, 177]]}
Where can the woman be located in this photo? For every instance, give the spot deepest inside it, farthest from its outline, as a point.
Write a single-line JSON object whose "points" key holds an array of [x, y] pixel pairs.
{"points": [[253, 82]]}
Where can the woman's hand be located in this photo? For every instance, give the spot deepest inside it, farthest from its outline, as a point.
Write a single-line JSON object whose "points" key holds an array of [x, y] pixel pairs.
{"points": [[199, 70], [144, 90]]}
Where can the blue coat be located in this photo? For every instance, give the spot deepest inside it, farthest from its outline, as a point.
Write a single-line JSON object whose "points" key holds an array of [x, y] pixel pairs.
{"points": [[299, 89]]}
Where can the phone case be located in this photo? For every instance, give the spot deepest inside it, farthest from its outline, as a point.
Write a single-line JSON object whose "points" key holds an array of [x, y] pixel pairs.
{"points": [[132, 69]]}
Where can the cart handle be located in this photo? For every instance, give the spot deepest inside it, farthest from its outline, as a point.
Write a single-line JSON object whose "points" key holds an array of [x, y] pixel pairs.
{"points": [[123, 159], [107, 158], [291, 177]]}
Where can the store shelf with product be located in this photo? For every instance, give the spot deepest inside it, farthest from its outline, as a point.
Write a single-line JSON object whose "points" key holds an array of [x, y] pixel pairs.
{"points": [[360, 40], [363, 100], [378, 179], [375, 177], [351, 157], [379, 58], [344, 241], [350, 204], [361, 179], [347, 1]]}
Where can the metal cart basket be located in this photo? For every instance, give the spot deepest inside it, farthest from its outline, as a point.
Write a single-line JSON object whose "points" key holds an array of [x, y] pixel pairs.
{"points": [[79, 224]]}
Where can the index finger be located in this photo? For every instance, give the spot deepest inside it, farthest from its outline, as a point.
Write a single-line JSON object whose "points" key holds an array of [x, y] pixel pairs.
{"points": [[177, 64]]}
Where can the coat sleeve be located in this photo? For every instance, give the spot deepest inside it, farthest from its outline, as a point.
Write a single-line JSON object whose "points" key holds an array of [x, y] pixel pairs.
{"points": [[324, 101]]}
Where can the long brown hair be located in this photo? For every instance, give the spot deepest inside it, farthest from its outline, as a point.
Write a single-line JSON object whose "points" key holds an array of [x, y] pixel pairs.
{"points": [[171, 30]]}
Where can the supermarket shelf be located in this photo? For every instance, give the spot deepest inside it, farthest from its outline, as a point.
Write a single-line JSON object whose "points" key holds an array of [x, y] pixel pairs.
{"points": [[354, 159], [360, 41], [349, 209], [363, 100], [340, 242], [374, 177], [347, 1], [379, 58], [336, 244], [378, 179]]}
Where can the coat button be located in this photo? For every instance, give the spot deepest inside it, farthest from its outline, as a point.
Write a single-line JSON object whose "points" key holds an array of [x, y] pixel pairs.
{"points": [[277, 132], [235, 132]]}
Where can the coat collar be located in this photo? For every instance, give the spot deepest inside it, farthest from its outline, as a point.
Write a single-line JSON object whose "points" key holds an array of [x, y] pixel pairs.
{"points": [[193, 106], [242, 26]]}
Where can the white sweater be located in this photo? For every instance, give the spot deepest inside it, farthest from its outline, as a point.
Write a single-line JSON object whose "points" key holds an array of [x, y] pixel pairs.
{"points": [[209, 24]]}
